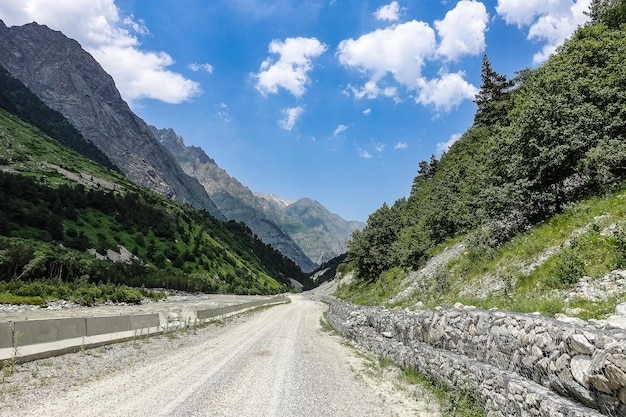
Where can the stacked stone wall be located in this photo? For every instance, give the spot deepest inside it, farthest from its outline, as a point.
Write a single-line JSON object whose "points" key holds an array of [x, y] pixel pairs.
{"points": [[515, 364]]}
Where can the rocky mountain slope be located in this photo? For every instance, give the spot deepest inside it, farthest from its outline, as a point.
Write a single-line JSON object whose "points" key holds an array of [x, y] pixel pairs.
{"points": [[232, 198], [304, 230], [320, 233], [70, 81]]}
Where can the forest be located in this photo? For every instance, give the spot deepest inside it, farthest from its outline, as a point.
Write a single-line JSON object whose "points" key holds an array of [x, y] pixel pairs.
{"points": [[546, 138]]}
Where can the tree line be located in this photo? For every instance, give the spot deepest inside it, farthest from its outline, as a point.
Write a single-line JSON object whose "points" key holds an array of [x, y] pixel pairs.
{"points": [[549, 136]]}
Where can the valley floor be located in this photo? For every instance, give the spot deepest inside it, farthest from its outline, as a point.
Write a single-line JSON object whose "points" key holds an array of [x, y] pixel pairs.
{"points": [[280, 361]]}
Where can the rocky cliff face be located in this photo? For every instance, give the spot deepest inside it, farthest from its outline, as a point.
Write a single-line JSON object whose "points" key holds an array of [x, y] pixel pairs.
{"points": [[70, 81], [321, 234], [232, 198]]}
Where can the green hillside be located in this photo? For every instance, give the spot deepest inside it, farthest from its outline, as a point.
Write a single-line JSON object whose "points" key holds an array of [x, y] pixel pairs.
{"points": [[56, 204], [17, 99], [540, 143]]}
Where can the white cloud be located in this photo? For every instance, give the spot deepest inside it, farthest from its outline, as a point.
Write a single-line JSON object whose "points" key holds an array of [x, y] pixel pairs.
{"points": [[367, 112], [290, 118], [113, 42], [548, 21], [392, 59], [446, 92], [462, 31], [399, 51], [340, 129], [388, 12], [371, 90], [290, 70], [444, 146], [222, 113], [365, 154], [379, 147], [400, 145], [201, 67]]}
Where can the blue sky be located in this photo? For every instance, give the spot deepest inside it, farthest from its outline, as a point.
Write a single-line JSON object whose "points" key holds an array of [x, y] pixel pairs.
{"points": [[335, 100]]}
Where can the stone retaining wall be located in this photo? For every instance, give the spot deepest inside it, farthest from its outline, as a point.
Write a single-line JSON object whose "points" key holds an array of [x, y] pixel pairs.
{"points": [[515, 364]]}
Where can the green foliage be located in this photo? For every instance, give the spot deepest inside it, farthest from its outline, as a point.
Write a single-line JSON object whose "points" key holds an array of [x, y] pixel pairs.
{"points": [[48, 222], [492, 99], [558, 136], [372, 247], [16, 98], [39, 291], [610, 12], [373, 293], [454, 403]]}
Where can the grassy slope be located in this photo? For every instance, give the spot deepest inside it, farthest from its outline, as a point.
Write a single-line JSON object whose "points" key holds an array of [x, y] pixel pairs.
{"points": [[531, 272], [208, 250]]}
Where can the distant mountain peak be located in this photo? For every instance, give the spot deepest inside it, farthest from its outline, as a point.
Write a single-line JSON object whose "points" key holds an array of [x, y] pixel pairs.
{"points": [[275, 199]]}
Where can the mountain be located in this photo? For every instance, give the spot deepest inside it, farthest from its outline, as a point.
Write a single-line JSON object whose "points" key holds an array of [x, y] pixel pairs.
{"points": [[17, 99], [70, 221], [234, 200], [70, 81], [304, 230], [321, 234]]}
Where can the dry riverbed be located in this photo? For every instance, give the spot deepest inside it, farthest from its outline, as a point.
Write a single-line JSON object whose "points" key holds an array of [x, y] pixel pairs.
{"points": [[278, 361]]}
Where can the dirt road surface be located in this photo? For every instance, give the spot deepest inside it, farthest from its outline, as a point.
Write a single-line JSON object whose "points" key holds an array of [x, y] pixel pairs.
{"points": [[276, 362]]}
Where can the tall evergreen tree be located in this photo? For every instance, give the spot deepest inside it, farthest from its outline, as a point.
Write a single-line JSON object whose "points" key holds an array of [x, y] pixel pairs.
{"points": [[492, 98]]}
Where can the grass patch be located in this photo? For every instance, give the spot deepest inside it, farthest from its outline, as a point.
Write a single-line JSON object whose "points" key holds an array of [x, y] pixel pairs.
{"points": [[453, 403], [7, 298], [373, 293]]}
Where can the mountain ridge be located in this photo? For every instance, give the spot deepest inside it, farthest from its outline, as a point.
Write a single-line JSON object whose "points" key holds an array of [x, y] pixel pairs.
{"points": [[69, 80], [232, 198]]}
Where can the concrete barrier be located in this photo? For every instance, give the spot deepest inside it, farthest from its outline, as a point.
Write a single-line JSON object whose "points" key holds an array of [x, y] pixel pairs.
{"points": [[30, 332], [6, 335], [36, 339], [108, 324]]}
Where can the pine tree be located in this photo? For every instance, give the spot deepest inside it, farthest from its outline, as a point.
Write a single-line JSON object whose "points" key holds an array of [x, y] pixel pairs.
{"points": [[492, 97]]}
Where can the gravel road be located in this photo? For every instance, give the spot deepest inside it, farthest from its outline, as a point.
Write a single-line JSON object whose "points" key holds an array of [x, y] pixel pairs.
{"points": [[278, 361]]}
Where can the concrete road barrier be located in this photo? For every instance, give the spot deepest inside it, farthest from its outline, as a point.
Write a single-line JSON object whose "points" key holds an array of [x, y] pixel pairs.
{"points": [[6, 335], [26, 340]]}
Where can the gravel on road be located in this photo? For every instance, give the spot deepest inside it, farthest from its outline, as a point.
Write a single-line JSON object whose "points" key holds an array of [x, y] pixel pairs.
{"points": [[277, 361]]}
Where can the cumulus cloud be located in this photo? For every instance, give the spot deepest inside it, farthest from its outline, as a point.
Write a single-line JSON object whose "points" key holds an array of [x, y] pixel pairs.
{"points": [[371, 90], [444, 146], [398, 51], [400, 145], [290, 117], [462, 31], [113, 41], [389, 12], [367, 112], [291, 70], [550, 22], [340, 129], [392, 59], [446, 92], [201, 67]]}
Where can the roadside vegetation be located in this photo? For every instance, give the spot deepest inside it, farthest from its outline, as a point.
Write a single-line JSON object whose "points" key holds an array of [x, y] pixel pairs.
{"points": [[538, 178]]}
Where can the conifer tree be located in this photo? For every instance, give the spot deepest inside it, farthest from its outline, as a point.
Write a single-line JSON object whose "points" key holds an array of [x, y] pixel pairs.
{"points": [[492, 97]]}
